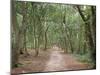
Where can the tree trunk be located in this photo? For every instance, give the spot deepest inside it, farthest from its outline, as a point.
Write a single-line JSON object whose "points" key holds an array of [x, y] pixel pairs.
{"points": [[24, 27], [45, 35], [88, 33], [67, 30], [15, 47], [25, 45], [93, 9]]}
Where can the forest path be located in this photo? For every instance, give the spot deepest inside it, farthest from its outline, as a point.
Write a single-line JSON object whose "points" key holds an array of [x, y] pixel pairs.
{"points": [[61, 61], [53, 59]]}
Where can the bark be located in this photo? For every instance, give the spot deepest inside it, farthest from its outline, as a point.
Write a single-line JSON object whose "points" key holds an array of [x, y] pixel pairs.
{"points": [[15, 47], [67, 35], [87, 29], [37, 47], [88, 32], [81, 14], [24, 27], [45, 35], [65, 45], [93, 9], [25, 44], [36, 39]]}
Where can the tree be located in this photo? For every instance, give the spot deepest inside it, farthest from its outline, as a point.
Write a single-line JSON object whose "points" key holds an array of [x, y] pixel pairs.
{"points": [[88, 32]]}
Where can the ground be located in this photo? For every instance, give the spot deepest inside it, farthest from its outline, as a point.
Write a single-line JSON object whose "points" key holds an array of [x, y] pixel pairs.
{"points": [[53, 59]]}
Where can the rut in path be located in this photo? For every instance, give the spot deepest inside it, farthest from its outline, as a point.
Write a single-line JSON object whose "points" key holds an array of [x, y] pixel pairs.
{"points": [[59, 61]]}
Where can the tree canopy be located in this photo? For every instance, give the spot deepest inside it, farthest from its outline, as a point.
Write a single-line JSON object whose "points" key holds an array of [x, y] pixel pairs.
{"points": [[39, 26]]}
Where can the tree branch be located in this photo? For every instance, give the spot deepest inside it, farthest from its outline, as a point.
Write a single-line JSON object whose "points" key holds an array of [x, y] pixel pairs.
{"points": [[81, 14]]}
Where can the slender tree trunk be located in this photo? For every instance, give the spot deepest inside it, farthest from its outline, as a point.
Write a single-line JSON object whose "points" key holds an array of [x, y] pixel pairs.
{"points": [[67, 30], [45, 35], [24, 26], [25, 44], [65, 45], [37, 47]]}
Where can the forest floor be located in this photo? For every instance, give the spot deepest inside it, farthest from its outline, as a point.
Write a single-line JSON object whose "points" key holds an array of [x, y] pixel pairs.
{"points": [[53, 59]]}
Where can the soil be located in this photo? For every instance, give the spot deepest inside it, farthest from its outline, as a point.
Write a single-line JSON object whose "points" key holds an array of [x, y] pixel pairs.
{"points": [[53, 59]]}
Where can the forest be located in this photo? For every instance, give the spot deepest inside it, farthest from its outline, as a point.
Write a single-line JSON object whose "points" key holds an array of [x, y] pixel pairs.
{"points": [[52, 37]]}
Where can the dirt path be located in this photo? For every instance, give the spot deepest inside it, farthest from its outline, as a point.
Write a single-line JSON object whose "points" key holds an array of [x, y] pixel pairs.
{"points": [[55, 62], [59, 61], [52, 60]]}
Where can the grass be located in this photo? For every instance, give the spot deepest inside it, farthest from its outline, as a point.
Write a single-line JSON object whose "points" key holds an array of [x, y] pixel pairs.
{"points": [[83, 58]]}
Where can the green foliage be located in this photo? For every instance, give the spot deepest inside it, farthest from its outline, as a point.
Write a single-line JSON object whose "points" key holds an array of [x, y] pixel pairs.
{"points": [[45, 24], [84, 58]]}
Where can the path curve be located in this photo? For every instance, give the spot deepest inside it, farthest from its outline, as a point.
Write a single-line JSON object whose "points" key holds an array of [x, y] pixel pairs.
{"points": [[53, 59], [61, 61]]}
